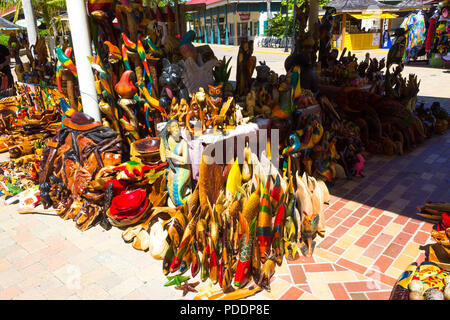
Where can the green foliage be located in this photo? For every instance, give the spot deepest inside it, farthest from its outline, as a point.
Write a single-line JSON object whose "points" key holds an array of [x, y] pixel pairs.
{"points": [[44, 32], [277, 24], [163, 3], [221, 72], [43, 8], [4, 39], [13, 189]]}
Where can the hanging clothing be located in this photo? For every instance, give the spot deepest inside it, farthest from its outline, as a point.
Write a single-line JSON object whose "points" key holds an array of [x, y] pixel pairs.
{"points": [[430, 33], [415, 24], [387, 43]]}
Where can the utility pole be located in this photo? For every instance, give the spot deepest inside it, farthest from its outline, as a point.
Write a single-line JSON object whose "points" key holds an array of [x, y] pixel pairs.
{"points": [[286, 49], [81, 39], [30, 20], [294, 26]]}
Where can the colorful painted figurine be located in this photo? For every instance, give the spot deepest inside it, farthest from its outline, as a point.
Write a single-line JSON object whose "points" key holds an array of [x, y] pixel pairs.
{"points": [[245, 66], [171, 84], [174, 150], [359, 166]]}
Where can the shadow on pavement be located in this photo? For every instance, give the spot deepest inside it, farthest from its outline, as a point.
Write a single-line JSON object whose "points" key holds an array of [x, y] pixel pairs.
{"points": [[401, 183]]}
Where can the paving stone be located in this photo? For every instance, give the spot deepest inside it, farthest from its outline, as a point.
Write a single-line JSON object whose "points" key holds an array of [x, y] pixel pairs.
{"points": [[360, 286], [293, 293], [421, 237], [383, 263], [351, 265], [364, 241], [30, 294], [318, 267], [402, 238], [373, 251], [10, 293], [380, 295], [346, 241], [383, 239], [327, 242], [353, 252], [393, 250], [277, 289], [365, 261], [357, 231], [337, 250], [367, 221], [298, 274]]}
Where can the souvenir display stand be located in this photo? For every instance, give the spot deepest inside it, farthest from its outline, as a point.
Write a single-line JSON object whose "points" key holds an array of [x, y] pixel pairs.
{"points": [[438, 36], [147, 166]]}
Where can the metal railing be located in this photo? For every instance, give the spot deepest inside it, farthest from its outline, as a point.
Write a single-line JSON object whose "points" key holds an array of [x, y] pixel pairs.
{"points": [[273, 42]]}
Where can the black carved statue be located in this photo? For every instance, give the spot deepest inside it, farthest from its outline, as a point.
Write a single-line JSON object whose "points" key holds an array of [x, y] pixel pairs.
{"points": [[172, 84]]}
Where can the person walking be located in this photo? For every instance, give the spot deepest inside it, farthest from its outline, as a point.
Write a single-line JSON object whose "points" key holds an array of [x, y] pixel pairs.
{"points": [[5, 60]]}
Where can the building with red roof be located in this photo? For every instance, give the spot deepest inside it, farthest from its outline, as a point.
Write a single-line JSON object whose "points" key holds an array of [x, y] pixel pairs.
{"points": [[226, 21]]}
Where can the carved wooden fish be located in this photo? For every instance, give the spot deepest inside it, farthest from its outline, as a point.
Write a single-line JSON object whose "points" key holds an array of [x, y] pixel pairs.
{"points": [[176, 227], [264, 224], [278, 233], [252, 206], [243, 268], [234, 180], [167, 261], [195, 264], [204, 269]]}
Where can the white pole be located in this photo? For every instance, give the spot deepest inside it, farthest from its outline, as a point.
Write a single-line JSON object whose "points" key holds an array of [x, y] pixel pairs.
{"points": [[30, 20], [81, 39]]}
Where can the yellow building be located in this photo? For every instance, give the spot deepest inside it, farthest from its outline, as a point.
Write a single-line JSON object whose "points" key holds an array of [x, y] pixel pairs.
{"points": [[360, 24]]}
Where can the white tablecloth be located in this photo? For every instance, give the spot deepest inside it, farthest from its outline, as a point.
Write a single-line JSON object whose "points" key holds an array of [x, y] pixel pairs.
{"points": [[198, 144]]}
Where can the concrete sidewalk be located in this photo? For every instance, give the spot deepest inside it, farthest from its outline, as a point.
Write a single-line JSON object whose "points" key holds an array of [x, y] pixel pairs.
{"points": [[282, 50]]}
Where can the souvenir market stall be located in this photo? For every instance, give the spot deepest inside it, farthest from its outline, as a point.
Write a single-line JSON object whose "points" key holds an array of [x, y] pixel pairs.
{"points": [[437, 42], [156, 167], [349, 17]]}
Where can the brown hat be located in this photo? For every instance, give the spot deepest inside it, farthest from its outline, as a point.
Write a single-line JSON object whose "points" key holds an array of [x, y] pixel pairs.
{"points": [[80, 121]]}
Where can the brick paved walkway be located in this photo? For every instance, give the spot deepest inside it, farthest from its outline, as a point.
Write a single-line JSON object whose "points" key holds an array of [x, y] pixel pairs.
{"points": [[373, 233]]}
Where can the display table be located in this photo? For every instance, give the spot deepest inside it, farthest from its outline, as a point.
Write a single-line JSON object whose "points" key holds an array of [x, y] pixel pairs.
{"points": [[224, 146], [228, 144]]}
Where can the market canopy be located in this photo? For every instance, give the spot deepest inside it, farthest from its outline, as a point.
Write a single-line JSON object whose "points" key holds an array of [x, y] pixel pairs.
{"points": [[413, 4], [374, 16], [358, 5], [8, 25], [22, 23]]}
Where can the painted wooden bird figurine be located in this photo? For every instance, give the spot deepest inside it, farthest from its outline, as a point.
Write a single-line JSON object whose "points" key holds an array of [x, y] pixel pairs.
{"points": [[66, 61], [114, 52], [125, 87]]}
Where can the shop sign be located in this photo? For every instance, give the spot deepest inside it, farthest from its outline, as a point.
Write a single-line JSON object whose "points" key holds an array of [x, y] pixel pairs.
{"points": [[376, 39], [244, 16]]}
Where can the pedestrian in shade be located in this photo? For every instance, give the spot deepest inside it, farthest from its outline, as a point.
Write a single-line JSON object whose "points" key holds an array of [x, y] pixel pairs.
{"points": [[5, 60]]}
